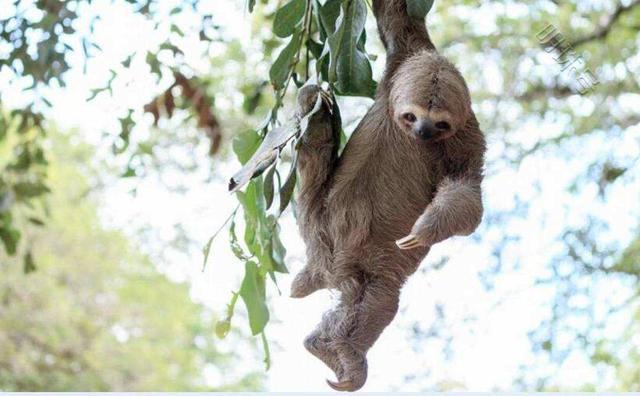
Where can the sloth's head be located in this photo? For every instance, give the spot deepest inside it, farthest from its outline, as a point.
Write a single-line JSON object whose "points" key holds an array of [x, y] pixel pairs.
{"points": [[429, 98]]}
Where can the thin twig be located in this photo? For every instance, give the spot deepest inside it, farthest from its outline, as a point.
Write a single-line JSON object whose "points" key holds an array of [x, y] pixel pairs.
{"points": [[215, 234]]}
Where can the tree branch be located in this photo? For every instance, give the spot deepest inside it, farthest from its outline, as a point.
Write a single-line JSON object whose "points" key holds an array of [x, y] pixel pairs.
{"points": [[604, 30]]}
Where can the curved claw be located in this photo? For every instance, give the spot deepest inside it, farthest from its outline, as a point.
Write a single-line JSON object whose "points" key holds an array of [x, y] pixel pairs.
{"points": [[344, 386], [326, 97], [408, 242]]}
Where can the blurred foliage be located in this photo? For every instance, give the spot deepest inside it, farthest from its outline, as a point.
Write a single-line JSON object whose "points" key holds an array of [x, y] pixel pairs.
{"points": [[23, 170], [97, 316]]}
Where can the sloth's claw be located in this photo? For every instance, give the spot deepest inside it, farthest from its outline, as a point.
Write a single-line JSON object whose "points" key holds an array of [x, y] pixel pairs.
{"points": [[326, 97], [408, 242], [353, 373], [344, 386]]}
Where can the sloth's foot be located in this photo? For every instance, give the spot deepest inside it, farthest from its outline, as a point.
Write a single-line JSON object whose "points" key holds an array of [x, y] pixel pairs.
{"points": [[354, 370], [320, 348], [305, 283]]}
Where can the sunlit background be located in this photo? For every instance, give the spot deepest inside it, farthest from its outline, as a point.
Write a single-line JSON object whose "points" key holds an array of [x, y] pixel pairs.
{"points": [[107, 290]]}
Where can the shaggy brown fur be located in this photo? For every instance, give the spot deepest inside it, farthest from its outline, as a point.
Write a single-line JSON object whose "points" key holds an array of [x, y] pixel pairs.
{"points": [[417, 154]]}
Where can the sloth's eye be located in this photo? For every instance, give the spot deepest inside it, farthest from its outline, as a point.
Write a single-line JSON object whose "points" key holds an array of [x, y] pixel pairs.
{"points": [[409, 117], [443, 125]]}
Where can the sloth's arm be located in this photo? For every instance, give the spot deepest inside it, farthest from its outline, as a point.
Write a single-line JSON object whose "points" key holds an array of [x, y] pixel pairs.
{"points": [[317, 152], [456, 208], [401, 34]]}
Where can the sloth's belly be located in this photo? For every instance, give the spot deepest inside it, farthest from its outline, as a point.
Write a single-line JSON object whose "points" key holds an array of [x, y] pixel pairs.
{"points": [[365, 220], [379, 202]]}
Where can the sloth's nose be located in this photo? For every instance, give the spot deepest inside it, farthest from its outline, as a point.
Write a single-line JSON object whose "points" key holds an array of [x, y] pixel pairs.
{"points": [[425, 129]]}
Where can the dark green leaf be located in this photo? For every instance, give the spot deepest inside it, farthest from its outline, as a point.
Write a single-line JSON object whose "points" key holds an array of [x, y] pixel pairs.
{"points": [[315, 48], [329, 13], [336, 126], [419, 8], [350, 69], [36, 221], [130, 172], [268, 186], [30, 190], [281, 68], [10, 238], [287, 18], [278, 251], [286, 192], [29, 264]]}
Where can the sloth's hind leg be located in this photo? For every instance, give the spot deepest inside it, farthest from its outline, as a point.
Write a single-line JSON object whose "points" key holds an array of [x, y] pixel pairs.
{"points": [[370, 307]]}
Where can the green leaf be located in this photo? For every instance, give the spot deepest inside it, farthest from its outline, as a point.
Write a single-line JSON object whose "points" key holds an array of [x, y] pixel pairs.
{"points": [[36, 221], [130, 172], [10, 238], [329, 13], [206, 250], [29, 264], [315, 48], [30, 190], [287, 18], [419, 8], [253, 294], [278, 251], [336, 125], [281, 68], [175, 29], [268, 186], [286, 192], [235, 245], [349, 68], [245, 144], [252, 203], [252, 4], [222, 328]]}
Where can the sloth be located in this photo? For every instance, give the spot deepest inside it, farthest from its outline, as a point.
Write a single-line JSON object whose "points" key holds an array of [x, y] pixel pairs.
{"points": [[408, 178]]}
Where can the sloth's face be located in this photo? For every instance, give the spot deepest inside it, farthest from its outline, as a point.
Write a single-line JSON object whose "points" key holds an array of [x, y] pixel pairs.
{"points": [[424, 123], [429, 98]]}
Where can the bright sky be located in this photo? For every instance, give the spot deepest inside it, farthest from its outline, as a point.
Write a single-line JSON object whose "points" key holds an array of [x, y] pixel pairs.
{"points": [[486, 353]]}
